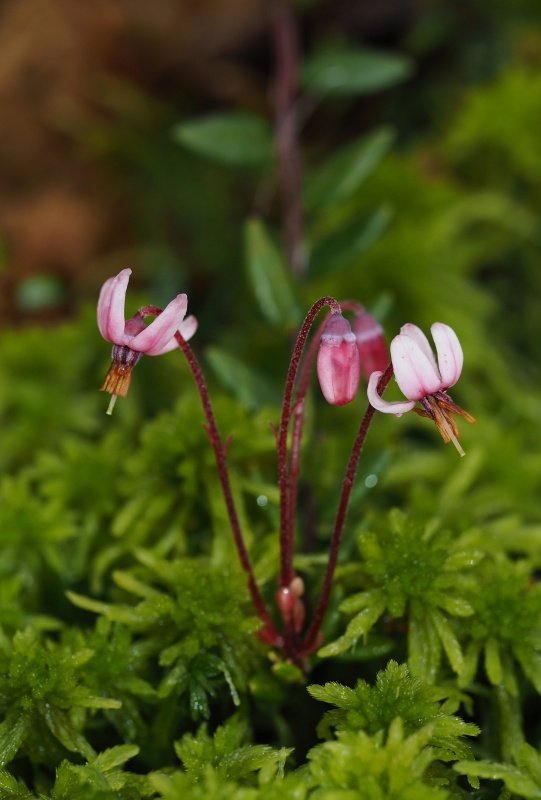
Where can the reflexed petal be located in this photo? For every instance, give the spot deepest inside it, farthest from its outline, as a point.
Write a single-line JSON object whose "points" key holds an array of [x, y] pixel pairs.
{"points": [[188, 327], [160, 332], [103, 305], [418, 336], [186, 330], [398, 408], [414, 373], [450, 355], [111, 307]]}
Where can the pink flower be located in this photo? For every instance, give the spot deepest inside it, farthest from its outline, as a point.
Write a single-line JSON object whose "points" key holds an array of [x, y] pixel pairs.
{"points": [[422, 380], [131, 338], [338, 366]]}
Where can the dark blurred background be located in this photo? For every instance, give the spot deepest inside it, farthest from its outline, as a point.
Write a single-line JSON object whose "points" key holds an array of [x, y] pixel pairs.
{"points": [[90, 178]]}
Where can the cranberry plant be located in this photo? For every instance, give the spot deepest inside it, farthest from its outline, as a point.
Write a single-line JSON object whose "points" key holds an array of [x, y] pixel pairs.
{"points": [[195, 603]]}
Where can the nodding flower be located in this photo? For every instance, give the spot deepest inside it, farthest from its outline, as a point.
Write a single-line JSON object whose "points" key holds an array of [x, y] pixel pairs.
{"points": [[423, 380], [338, 367], [132, 338]]}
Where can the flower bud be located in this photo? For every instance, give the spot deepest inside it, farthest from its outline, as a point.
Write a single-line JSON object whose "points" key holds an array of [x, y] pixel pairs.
{"points": [[373, 352], [338, 367]]}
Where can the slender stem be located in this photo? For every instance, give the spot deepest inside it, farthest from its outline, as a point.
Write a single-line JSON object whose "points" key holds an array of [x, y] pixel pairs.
{"points": [[286, 523], [299, 405], [223, 474], [298, 423], [321, 608], [287, 145]]}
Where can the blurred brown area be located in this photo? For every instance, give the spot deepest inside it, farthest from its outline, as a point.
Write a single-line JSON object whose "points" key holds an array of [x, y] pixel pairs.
{"points": [[61, 205]]}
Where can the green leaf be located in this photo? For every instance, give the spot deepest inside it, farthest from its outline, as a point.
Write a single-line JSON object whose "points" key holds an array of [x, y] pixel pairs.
{"points": [[12, 735], [530, 661], [61, 727], [423, 644], [351, 71], [10, 787], [344, 172], [115, 757], [365, 620], [339, 250], [251, 388], [513, 778], [340, 645], [493, 664], [448, 639], [268, 277], [233, 140]]}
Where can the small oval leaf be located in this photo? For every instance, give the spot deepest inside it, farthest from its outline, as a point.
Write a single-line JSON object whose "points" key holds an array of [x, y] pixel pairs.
{"points": [[342, 174], [233, 140], [355, 71], [339, 250], [268, 278]]}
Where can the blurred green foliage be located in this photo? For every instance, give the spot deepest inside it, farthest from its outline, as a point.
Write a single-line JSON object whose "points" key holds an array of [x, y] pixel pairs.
{"points": [[126, 632]]}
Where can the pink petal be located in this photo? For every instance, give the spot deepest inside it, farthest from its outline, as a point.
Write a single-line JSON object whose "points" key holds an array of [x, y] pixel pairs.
{"points": [[338, 365], [338, 370], [111, 307], [379, 404], [188, 327], [186, 330], [418, 336], [160, 332], [450, 355], [414, 373]]}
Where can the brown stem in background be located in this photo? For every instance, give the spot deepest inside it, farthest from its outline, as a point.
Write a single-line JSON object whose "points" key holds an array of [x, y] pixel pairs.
{"points": [[286, 120]]}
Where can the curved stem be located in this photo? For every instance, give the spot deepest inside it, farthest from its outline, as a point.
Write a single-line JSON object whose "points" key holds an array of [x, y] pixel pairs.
{"points": [[298, 422], [223, 474], [299, 406], [286, 523], [321, 608]]}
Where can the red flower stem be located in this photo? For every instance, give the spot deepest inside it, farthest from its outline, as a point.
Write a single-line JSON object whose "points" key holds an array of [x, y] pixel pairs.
{"points": [[299, 407], [298, 422], [286, 520], [321, 608], [287, 145], [223, 474]]}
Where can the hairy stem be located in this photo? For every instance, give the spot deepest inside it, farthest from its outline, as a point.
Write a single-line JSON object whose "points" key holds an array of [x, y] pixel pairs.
{"points": [[286, 521], [321, 608], [299, 406], [223, 474]]}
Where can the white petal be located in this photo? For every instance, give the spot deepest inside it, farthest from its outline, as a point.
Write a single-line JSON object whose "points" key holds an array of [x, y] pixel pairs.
{"points": [[160, 332], [450, 355], [186, 330], [111, 307], [414, 373], [418, 336], [398, 408]]}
